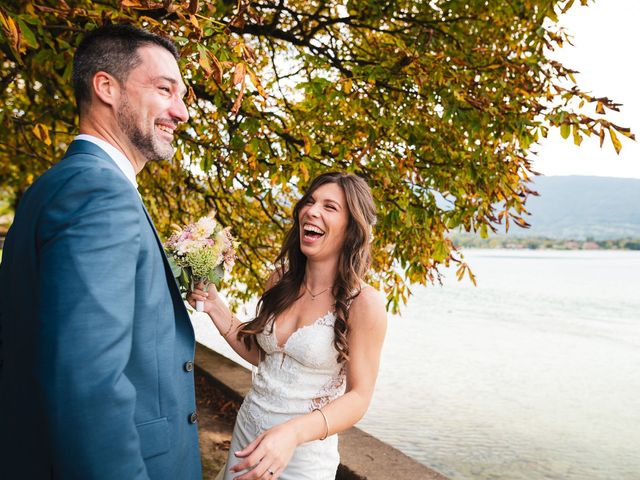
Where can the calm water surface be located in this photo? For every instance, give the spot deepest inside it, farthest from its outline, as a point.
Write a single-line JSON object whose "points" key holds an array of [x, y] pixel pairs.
{"points": [[534, 374]]}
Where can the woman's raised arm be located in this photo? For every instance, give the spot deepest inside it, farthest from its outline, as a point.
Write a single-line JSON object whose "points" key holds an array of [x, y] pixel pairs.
{"points": [[225, 321]]}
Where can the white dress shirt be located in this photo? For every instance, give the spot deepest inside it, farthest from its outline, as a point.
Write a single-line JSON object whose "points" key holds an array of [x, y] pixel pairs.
{"points": [[116, 155]]}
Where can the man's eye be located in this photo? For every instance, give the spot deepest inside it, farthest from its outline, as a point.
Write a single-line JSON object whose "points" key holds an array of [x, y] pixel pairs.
{"points": [[165, 89]]}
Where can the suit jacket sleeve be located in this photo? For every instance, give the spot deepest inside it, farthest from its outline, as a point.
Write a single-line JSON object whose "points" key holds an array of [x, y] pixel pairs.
{"points": [[89, 242]]}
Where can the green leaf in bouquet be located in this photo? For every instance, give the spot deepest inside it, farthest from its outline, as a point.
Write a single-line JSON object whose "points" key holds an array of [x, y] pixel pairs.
{"points": [[176, 270], [216, 275], [183, 280]]}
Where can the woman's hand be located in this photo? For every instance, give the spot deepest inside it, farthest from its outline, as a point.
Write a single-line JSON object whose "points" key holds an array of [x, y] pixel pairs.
{"points": [[268, 455], [224, 320], [208, 297]]}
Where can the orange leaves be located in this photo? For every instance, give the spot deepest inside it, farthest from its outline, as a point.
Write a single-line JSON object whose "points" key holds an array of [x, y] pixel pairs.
{"points": [[203, 61], [577, 138], [304, 171], [239, 75], [239, 78], [614, 140], [13, 34], [464, 268], [601, 136], [521, 222], [347, 85], [240, 57], [41, 132], [19, 35], [209, 63], [256, 83], [146, 5]]}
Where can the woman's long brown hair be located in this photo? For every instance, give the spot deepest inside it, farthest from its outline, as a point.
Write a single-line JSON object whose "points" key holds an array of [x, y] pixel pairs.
{"points": [[353, 263]]}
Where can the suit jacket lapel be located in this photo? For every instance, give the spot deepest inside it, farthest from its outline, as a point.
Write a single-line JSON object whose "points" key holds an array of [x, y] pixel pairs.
{"points": [[167, 267]]}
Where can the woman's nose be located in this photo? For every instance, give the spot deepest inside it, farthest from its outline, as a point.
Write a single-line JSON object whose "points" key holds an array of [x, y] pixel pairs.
{"points": [[313, 210]]}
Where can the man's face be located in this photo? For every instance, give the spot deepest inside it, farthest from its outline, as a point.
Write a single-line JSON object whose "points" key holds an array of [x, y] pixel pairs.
{"points": [[151, 105]]}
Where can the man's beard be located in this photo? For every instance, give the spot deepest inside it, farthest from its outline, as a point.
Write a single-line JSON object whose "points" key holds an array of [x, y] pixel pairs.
{"points": [[146, 143]]}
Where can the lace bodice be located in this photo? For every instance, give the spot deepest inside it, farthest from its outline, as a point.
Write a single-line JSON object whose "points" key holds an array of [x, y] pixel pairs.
{"points": [[301, 375]]}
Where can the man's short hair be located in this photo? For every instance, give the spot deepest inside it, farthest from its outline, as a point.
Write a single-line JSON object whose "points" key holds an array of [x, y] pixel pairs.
{"points": [[112, 49]]}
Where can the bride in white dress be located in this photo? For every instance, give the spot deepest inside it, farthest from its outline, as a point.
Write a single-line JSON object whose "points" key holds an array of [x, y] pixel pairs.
{"points": [[316, 339]]}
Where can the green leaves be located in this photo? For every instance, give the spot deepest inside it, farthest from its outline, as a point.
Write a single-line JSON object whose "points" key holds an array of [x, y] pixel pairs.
{"points": [[175, 269]]}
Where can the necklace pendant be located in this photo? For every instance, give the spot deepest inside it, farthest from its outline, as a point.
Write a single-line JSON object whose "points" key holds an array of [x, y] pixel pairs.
{"points": [[314, 295]]}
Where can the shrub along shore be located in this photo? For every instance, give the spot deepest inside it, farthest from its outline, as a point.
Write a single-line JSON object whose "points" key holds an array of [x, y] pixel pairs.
{"points": [[539, 243]]}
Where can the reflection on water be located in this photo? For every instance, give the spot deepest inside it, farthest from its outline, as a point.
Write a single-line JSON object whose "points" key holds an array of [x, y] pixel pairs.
{"points": [[534, 374]]}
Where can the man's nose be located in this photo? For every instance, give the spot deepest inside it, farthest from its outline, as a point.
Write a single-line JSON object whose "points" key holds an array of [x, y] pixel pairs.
{"points": [[179, 110]]}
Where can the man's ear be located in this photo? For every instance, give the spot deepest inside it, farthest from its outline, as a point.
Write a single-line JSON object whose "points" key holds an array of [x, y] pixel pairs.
{"points": [[106, 88]]}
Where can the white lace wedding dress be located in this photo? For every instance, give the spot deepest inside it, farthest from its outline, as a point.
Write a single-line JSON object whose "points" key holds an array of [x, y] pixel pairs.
{"points": [[292, 380]]}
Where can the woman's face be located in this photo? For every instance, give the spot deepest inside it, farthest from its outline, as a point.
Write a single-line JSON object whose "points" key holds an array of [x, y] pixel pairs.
{"points": [[323, 222]]}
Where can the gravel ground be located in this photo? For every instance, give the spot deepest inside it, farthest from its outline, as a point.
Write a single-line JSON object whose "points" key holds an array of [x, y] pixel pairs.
{"points": [[216, 415]]}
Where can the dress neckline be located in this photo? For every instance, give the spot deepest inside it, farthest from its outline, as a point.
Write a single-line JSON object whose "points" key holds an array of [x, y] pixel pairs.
{"points": [[284, 345]]}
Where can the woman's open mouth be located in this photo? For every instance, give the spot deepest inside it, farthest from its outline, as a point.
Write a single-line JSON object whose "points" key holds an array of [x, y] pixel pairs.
{"points": [[311, 232]]}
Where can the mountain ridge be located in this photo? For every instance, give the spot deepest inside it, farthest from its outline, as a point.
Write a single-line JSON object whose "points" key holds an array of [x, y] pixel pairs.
{"points": [[583, 207]]}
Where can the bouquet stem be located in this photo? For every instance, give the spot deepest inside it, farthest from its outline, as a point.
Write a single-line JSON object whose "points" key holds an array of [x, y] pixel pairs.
{"points": [[204, 284]]}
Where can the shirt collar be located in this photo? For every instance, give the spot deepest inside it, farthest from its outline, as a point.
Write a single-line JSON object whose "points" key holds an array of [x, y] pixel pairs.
{"points": [[116, 155]]}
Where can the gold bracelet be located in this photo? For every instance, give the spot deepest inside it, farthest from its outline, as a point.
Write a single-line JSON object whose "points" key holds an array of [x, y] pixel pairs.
{"points": [[230, 326], [326, 422]]}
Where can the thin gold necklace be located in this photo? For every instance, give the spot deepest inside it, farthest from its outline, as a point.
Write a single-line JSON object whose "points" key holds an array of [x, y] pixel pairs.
{"points": [[314, 295]]}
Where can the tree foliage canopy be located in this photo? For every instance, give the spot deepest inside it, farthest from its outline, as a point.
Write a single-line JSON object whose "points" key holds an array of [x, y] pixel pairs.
{"points": [[436, 103]]}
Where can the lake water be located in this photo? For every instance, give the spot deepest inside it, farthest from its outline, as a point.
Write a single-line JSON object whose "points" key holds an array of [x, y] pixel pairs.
{"points": [[533, 374]]}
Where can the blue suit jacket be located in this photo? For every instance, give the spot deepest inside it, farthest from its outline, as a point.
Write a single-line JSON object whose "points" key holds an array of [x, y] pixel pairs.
{"points": [[96, 379]]}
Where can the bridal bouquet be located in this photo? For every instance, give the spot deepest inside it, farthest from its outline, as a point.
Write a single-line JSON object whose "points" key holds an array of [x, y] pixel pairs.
{"points": [[200, 253]]}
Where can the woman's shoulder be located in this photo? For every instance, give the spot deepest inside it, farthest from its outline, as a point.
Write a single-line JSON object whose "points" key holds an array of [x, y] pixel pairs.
{"points": [[368, 305], [368, 293]]}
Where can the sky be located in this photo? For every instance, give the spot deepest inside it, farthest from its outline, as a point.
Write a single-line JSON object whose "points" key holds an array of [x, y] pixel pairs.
{"points": [[606, 38]]}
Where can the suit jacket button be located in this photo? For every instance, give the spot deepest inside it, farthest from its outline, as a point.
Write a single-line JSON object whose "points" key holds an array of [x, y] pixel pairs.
{"points": [[188, 366], [193, 418]]}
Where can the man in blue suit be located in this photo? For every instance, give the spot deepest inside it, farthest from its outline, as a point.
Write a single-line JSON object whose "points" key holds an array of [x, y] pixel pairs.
{"points": [[96, 347]]}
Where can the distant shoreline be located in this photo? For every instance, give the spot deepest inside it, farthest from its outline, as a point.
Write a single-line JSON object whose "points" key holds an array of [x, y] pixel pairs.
{"points": [[528, 243], [543, 243]]}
